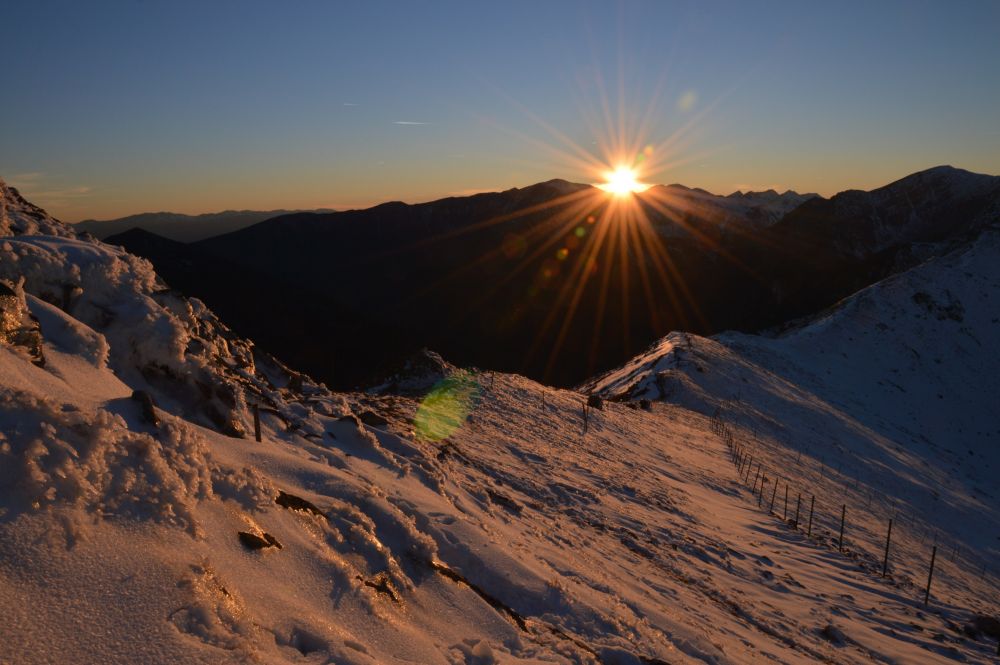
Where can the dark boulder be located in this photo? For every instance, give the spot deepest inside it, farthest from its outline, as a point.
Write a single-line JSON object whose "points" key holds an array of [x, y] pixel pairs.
{"points": [[373, 419], [833, 635], [983, 625], [293, 502], [252, 541], [148, 407]]}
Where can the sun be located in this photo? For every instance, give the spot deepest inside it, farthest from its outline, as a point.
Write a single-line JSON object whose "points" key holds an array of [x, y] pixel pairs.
{"points": [[622, 181]]}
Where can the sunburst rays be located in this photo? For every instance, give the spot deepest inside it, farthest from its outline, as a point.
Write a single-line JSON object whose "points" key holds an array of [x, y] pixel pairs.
{"points": [[597, 251]]}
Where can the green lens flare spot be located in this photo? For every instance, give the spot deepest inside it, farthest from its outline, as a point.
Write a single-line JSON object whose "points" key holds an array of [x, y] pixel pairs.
{"points": [[580, 232], [446, 407]]}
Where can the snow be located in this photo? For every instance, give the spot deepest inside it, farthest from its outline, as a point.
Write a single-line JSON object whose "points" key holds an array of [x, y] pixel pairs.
{"points": [[68, 335], [484, 520], [53, 453], [885, 404]]}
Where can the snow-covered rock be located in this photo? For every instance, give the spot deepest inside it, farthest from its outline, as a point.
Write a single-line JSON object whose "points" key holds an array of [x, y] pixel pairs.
{"points": [[153, 336], [18, 326]]}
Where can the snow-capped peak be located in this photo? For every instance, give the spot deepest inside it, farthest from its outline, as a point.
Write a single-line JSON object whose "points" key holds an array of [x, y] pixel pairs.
{"points": [[19, 217]]}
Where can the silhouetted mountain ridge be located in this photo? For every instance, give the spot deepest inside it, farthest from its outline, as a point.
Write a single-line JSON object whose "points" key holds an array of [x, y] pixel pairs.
{"points": [[180, 227], [543, 280]]}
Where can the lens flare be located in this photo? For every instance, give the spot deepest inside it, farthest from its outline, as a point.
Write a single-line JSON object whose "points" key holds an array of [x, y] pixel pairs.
{"points": [[622, 181], [446, 407]]}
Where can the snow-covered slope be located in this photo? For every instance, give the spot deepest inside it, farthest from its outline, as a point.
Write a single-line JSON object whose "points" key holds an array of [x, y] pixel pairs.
{"points": [[908, 359], [487, 520], [885, 403]]}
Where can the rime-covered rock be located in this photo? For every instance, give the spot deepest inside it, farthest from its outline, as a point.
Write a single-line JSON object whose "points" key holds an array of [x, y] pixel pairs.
{"points": [[17, 325]]}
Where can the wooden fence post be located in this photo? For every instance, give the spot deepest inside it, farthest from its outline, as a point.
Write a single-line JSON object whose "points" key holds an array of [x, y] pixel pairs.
{"points": [[930, 575], [256, 422], [784, 516], [885, 560], [798, 504], [812, 504], [774, 491], [843, 515]]}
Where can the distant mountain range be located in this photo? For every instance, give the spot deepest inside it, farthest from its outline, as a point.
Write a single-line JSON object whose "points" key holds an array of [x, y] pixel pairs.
{"points": [[183, 228], [549, 280]]}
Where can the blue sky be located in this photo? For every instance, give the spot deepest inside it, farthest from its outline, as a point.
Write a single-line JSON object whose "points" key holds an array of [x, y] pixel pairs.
{"points": [[112, 108]]}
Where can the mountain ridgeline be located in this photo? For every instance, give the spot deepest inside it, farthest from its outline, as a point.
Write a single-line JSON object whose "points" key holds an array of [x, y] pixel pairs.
{"points": [[558, 280], [180, 227]]}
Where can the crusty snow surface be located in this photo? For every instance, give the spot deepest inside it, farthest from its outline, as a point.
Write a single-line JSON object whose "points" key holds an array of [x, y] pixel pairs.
{"points": [[518, 534]]}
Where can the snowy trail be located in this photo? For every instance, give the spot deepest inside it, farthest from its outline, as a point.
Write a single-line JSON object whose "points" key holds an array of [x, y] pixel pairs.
{"points": [[787, 585]]}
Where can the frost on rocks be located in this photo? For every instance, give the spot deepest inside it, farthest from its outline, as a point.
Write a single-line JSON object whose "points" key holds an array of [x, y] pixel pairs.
{"points": [[54, 453], [156, 338], [19, 217], [18, 327]]}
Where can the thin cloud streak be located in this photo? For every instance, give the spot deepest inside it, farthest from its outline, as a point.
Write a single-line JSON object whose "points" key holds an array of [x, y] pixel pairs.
{"points": [[33, 184], [68, 193], [24, 180]]}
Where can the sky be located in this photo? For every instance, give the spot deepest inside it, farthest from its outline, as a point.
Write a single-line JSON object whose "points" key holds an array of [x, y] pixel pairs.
{"points": [[121, 107]]}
